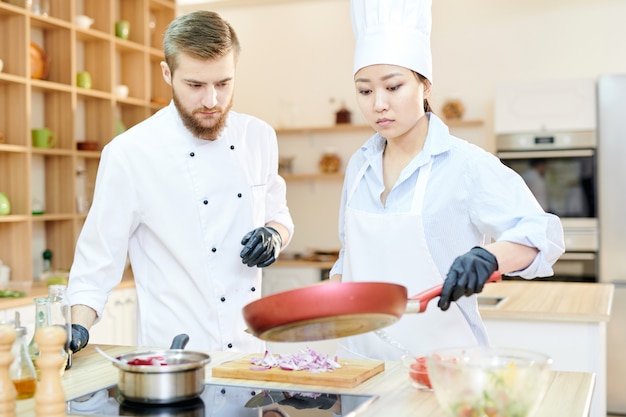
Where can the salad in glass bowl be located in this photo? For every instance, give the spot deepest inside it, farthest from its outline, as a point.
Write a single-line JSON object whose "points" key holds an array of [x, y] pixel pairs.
{"points": [[488, 381]]}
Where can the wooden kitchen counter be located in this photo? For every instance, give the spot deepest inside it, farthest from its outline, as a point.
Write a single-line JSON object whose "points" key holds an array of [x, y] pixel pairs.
{"points": [[569, 393], [565, 320], [547, 300]]}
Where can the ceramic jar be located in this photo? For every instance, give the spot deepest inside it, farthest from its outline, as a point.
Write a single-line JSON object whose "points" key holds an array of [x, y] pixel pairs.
{"points": [[5, 205], [330, 162]]}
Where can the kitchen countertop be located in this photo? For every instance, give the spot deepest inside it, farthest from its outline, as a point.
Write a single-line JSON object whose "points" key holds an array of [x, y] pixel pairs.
{"points": [[40, 289], [536, 300], [569, 393], [546, 300]]}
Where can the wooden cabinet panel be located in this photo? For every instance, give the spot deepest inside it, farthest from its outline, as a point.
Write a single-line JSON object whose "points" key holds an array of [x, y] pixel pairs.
{"points": [[118, 325]]}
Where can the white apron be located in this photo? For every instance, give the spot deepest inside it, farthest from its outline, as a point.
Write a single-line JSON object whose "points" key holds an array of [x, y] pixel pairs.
{"points": [[392, 248]]}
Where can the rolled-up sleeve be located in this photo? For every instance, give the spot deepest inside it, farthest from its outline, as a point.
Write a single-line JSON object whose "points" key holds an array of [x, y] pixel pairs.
{"points": [[507, 211]]}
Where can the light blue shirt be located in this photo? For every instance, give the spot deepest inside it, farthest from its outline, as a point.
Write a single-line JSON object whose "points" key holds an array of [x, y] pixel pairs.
{"points": [[470, 199]]}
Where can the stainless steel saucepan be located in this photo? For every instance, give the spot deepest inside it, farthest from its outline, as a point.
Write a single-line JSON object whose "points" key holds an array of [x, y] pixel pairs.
{"points": [[175, 375]]}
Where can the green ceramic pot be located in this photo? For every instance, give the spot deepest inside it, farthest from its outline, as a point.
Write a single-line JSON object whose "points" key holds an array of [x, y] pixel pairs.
{"points": [[5, 205]]}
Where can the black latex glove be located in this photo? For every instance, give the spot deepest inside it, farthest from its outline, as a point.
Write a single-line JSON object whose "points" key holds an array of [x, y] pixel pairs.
{"points": [[467, 275], [261, 247], [80, 337]]}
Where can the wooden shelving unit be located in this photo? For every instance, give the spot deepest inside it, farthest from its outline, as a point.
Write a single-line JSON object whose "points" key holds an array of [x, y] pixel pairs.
{"points": [[339, 128], [452, 123], [342, 128], [307, 131], [313, 176], [31, 176]]}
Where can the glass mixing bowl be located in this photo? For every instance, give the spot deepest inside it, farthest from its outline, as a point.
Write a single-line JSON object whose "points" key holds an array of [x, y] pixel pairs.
{"points": [[488, 381]]}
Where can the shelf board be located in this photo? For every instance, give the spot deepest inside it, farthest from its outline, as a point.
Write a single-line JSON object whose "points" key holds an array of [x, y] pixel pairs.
{"points": [[13, 218], [303, 263], [313, 176], [6, 77], [323, 129], [6, 147], [463, 123], [52, 151], [163, 4], [356, 128], [45, 85], [52, 217]]}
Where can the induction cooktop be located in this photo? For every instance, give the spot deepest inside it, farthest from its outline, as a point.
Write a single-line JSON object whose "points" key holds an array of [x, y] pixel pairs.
{"points": [[227, 401]]}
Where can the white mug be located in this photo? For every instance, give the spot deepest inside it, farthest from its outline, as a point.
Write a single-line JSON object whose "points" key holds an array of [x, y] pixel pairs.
{"points": [[5, 276], [84, 21], [121, 91]]}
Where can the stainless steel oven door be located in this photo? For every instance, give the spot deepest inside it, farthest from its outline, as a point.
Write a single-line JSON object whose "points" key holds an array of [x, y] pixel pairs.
{"points": [[564, 183]]}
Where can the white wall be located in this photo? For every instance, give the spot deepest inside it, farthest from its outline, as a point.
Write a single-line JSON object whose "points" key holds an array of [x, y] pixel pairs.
{"points": [[301, 52], [297, 56]]}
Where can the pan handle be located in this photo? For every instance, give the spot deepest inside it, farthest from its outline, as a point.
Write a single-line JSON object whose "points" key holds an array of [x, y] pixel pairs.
{"points": [[179, 341], [419, 302]]}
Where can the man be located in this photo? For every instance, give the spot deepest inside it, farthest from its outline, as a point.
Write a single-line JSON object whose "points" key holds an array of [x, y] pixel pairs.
{"points": [[192, 194]]}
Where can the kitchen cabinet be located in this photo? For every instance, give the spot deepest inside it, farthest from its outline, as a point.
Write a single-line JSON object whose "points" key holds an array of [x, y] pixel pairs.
{"points": [[567, 321], [118, 325], [278, 278], [56, 182]]}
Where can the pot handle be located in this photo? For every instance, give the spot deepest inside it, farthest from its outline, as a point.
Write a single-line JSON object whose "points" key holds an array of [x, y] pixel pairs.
{"points": [[180, 341], [419, 302]]}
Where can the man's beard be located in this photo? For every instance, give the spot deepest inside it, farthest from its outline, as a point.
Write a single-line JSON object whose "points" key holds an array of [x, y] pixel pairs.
{"points": [[195, 127]]}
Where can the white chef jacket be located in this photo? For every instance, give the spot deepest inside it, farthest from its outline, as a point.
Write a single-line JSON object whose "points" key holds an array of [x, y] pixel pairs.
{"points": [[471, 198], [179, 206]]}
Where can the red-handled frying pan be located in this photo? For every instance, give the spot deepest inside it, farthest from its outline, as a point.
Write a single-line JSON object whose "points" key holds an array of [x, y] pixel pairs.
{"points": [[334, 310]]}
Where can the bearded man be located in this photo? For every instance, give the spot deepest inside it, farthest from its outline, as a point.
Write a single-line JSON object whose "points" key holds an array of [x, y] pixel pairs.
{"points": [[192, 195]]}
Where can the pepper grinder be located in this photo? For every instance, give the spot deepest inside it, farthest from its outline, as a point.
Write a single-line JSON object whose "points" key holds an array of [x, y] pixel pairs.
{"points": [[8, 393], [50, 397]]}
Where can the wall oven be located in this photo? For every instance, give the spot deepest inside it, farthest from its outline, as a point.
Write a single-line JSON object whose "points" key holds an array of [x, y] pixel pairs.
{"points": [[560, 169]]}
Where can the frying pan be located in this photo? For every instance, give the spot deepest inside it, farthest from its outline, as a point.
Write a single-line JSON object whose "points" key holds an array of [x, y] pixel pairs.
{"points": [[334, 310]]}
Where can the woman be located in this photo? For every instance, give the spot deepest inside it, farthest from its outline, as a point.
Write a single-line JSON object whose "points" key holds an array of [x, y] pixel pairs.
{"points": [[419, 204]]}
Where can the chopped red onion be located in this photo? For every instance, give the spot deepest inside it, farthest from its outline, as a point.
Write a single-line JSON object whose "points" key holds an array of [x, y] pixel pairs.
{"points": [[305, 359]]}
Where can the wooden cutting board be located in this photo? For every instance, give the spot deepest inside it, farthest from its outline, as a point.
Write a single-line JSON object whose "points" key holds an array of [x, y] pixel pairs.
{"points": [[352, 373]]}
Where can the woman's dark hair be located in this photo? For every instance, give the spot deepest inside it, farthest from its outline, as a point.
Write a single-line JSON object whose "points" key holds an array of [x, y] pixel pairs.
{"points": [[424, 80]]}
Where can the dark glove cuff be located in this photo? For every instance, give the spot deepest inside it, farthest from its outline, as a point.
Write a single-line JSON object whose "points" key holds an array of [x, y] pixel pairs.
{"points": [[485, 255], [80, 337], [277, 235]]}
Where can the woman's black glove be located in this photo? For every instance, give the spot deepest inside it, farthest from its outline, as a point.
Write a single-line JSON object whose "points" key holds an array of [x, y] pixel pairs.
{"points": [[261, 247], [80, 337], [467, 275]]}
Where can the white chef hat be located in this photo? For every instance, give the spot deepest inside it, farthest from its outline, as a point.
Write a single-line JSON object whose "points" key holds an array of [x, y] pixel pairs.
{"points": [[395, 32]]}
